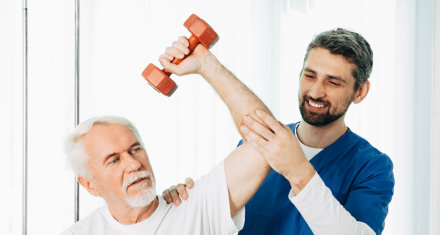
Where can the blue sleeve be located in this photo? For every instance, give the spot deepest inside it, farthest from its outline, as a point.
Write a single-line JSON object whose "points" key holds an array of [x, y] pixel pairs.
{"points": [[372, 192]]}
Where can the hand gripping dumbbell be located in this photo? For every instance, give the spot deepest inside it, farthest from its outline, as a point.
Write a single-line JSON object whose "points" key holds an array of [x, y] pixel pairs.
{"points": [[201, 33]]}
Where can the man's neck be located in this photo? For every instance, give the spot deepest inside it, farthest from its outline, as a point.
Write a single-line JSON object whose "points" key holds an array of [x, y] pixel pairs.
{"points": [[128, 215], [321, 136]]}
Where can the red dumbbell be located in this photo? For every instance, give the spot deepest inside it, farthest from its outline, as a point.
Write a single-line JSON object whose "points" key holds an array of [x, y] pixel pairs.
{"points": [[201, 33]]}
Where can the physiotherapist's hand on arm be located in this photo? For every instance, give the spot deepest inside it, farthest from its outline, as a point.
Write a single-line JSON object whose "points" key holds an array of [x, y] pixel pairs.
{"points": [[175, 194], [313, 199], [280, 148]]}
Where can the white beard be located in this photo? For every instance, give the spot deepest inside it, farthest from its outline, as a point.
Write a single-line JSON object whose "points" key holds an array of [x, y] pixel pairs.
{"points": [[143, 198], [145, 195]]}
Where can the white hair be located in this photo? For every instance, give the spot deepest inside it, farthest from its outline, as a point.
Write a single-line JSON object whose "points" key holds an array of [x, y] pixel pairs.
{"points": [[77, 156]]}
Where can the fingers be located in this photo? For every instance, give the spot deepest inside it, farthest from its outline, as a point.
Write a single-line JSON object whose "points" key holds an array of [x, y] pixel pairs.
{"points": [[165, 61], [167, 196], [189, 183], [183, 40], [258, 119], [259, 129], [178, 49], [175, 196], [181, 47], [255, 140], [175, 52], [270, 121], [171, 195], [181, 190]]}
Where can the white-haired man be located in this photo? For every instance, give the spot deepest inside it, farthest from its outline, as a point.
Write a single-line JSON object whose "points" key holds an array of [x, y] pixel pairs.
{"points": [[110, 161]]}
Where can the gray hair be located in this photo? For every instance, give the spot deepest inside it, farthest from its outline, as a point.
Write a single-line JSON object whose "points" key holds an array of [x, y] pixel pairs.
{"points": [[77, 156], [349, 44]]}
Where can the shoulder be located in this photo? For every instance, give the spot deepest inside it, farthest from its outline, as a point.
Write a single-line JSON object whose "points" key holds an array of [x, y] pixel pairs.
{"points": [[214, 179], [373, 164], [364, 150]]}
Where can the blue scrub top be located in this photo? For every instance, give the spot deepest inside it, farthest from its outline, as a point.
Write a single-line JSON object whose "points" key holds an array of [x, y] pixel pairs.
{"points": [[359, 176]]}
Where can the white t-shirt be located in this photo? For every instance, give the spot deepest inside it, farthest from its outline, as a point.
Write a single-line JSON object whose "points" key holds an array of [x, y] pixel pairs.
{"points": [[206, 211], [308, 151]]}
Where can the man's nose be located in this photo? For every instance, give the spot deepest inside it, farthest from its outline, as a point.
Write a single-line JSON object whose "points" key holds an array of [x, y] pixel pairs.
{"points": [[132, 163], [317, 90]]}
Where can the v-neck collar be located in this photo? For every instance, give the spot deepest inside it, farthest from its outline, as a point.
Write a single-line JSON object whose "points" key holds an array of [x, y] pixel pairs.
{"points": [[332, 151]]}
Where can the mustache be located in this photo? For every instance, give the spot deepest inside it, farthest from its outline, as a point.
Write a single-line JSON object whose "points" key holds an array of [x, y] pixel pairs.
{"points": [[135, 177]]}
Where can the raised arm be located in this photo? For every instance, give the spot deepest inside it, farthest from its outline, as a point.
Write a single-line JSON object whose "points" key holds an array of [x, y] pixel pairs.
{"points": [[245, 168], [238, 98]]}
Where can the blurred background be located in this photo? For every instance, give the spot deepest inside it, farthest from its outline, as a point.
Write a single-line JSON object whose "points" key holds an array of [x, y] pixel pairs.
{"points": [[262, 42]]}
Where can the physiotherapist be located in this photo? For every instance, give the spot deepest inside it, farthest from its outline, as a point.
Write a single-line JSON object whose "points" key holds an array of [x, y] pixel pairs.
{"points": [[341, 184]]}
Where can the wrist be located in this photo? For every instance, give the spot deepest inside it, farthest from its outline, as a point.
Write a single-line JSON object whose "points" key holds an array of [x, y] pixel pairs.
{"points": [[209, 66], [300, 177]]}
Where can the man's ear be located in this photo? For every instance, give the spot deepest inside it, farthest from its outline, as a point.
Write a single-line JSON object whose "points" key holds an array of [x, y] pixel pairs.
{"points": [[89, 184], [361, 92]]}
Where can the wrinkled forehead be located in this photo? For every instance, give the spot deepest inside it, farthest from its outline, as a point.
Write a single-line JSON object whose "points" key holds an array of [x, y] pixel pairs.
{"points": [[104, 139]]}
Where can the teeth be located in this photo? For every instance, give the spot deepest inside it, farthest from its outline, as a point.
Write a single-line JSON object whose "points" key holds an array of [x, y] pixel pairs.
{"points": [[316, 105]]}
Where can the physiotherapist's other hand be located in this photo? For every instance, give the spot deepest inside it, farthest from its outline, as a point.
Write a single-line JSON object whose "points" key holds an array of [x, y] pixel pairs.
{"points": [[280, 147], [200, 60], [175, 194]]}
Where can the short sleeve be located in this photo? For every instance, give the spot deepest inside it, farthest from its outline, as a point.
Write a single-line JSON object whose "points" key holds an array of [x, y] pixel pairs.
{"points": [[372, 192], [212, 191]]}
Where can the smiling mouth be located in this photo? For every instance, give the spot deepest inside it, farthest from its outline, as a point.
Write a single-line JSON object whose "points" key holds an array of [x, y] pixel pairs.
{"points": [[315, 106]]}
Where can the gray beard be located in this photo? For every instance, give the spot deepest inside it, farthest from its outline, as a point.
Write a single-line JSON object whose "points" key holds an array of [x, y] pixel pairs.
{"points": [[142, 198]]}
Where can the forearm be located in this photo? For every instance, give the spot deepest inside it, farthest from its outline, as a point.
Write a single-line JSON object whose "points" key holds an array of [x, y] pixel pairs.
{"points": [[239, 99], [323, 213]]}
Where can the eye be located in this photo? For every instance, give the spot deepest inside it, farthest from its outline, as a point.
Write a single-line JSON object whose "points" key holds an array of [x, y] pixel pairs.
{"points": [[136, 149], [114, 161], [308, 76], [334, 83]]}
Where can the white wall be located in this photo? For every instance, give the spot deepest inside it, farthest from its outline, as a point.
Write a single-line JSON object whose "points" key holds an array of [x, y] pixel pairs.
{"points": [[435, 129], [10, 118]]}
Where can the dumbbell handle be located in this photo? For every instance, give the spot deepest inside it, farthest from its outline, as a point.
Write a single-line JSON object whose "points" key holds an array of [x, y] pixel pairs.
{"points": [[193, 42]]}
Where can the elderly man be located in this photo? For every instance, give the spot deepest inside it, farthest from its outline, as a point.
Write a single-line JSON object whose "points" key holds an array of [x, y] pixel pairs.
{"points": [[110, 161]]}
